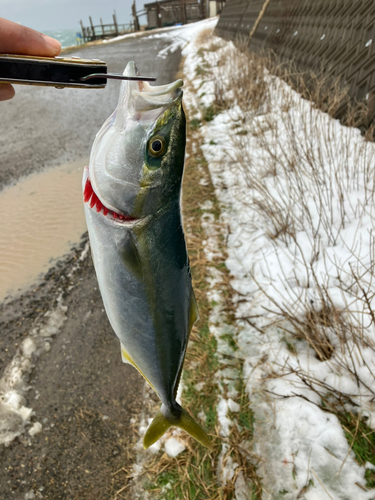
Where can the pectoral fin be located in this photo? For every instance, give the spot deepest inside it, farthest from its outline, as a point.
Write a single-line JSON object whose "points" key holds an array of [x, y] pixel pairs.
{"points": [[129, 255]]}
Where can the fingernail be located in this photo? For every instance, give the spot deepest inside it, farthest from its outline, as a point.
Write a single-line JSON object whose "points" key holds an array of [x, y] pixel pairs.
{"points": [[6, 92], [53, 43]]}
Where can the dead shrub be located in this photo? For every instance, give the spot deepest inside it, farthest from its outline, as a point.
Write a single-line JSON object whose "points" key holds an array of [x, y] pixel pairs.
{"points": [[204, 36]]}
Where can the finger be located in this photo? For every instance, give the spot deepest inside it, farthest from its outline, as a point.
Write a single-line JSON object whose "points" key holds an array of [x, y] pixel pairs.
{"points": [[17, 39], [6, 91]]}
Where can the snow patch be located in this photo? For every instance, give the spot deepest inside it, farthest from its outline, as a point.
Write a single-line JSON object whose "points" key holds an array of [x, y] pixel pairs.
{"points": [[174, 447], [14, 415]]}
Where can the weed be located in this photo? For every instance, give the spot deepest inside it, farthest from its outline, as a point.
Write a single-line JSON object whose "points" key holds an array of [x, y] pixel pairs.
{"points": [[360, 436], [230, 340], [370, 478], [195, 123], [197, 470], [290, 346], [208, 113], [200, 71]]}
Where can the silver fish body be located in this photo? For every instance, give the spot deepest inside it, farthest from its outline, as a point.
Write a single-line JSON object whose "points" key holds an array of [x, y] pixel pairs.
{"points": [[132, 205]]}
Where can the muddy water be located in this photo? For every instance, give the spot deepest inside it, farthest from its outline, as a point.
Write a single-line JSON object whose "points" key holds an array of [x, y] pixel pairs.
{"points": [[41, 217]]}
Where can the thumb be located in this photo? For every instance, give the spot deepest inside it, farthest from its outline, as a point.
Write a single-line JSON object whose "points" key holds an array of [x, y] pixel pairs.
{"points": [[17, 39]]}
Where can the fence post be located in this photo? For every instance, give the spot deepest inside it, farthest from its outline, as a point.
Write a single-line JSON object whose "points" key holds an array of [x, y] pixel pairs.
{"points": [[83, 31], [158, 14], [92, 29], [263, 10], [203, 2], [115, 22], [182, 11], [135, 17]]}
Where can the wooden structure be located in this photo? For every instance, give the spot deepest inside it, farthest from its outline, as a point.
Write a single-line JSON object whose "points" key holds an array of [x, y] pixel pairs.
{"points": [[171, 12], [135, 17], [102, 31]]}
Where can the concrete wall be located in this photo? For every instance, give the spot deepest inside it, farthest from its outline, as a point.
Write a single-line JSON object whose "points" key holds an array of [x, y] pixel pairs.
{"points": [[338, 35]]}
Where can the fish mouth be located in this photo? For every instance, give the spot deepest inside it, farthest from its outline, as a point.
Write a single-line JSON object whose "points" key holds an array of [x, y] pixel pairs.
{"points": [[142, 101], [92, 199], [149, 98]]}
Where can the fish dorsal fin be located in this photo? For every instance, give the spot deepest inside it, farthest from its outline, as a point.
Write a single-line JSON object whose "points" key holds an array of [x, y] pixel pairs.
{"points": [[129, 255]]}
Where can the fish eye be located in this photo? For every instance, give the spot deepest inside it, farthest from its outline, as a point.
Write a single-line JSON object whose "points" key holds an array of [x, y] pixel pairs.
{"points": [[156, 146]]}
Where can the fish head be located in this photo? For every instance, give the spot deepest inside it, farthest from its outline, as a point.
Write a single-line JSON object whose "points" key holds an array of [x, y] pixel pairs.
{"points": [[137, 158]]}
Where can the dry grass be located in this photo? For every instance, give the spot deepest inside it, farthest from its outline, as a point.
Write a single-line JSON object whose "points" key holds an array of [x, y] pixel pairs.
{"points": [[204, 36], [302, 180], [244, 74]]}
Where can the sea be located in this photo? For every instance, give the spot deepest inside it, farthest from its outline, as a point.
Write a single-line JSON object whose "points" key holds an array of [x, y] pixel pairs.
{"points": [[67, 37]]}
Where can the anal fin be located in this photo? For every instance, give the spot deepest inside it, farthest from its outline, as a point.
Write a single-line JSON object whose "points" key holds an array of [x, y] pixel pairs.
{"points": [[126, 358]]}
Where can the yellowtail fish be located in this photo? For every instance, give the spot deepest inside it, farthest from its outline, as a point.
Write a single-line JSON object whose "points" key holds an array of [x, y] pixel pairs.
{"points": [[132, 191]]}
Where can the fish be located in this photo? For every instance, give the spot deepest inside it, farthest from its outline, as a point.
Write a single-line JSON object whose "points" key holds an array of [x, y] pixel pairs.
{"points": [[132, 192]]}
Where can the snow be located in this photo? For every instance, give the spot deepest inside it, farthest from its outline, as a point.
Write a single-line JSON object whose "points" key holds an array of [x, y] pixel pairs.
{"points": [[15, 416], [174, 447], [232, 405], [180, 36], [35, 429], [303, 449], [177, 36]]}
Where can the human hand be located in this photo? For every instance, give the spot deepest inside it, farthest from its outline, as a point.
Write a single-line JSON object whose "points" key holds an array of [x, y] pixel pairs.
{"points": [[17, 39]]}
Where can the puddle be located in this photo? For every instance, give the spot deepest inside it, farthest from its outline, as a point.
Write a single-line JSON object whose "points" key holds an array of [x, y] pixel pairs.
{"points": [[41, 218]]}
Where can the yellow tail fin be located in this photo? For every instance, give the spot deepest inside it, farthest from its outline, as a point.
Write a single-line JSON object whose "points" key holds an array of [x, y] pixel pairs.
{"points": [[161, 424]]}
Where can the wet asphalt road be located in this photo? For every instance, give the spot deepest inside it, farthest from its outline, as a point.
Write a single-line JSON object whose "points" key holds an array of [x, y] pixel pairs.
{"points": [[80, 390]]}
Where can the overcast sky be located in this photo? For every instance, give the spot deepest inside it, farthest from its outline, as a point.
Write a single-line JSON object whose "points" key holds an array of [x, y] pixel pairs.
{"points": [[55, 14]]}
